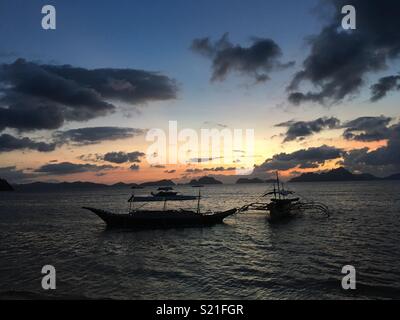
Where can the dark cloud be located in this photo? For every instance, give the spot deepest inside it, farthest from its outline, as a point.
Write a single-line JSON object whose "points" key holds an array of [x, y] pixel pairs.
{"points": [[100, 174], [193, 170], [302, 129], [219, 169], [382, 161], [123, 157], [257, 60], [339, 60], [11, 143], [216, 169], [86, 136], [14, 175], [305, 158], [134, 167], [200, 160], [80, 137], [91, 157], [367, 129], [63, 168], [386, 84], [169, 171], [127, 85], [27, 114], [35, 96]]}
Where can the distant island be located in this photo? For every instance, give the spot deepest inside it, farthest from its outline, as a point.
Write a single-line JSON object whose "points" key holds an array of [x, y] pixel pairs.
{"points": [[160, 183], [70, 186], [204, 180], [393, 177], [66, 186], [249, 180], [5, 186], [339, 174]]}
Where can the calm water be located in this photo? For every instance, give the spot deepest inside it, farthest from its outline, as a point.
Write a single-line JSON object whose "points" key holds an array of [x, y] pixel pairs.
{"points": [[246, 258]]}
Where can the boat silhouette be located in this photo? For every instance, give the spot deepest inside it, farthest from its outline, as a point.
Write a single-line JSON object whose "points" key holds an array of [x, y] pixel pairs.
{"points": [[281, 207], [164, 218]]}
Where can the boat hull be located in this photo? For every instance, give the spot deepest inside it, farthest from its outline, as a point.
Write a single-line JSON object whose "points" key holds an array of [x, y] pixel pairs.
{"points": [[160, 219], [281, 209]]}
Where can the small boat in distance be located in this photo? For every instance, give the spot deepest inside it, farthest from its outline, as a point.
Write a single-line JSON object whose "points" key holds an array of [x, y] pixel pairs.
{"points": [[281, 207], [163, 194], [138, 218]]}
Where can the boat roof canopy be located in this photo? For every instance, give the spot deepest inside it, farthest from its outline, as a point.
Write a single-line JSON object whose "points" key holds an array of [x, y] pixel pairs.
{"points": [[165, 188], [134, 198]]}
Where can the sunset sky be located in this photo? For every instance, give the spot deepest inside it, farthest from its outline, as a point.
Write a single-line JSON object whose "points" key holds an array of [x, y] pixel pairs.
{"points": [[77, 102]]}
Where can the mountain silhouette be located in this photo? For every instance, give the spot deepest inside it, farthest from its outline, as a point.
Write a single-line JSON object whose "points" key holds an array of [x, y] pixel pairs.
{"points": [[205, 180], [339, 174]]}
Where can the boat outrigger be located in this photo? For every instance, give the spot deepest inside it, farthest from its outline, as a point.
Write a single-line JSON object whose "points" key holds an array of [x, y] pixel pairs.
{"points": [[280, 207], [165, 218]]}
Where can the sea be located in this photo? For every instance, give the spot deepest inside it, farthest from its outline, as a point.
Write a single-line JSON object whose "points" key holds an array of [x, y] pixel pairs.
{"points": [[244, 258]]}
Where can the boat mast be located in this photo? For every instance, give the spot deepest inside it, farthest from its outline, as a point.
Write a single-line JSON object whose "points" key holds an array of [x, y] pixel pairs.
{"points": [[198, 197], [131, 201], [279, 188], [198, 202]]}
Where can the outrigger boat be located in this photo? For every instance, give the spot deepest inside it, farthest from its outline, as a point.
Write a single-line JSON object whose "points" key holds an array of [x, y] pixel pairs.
{"points": [[165, 218], [281, 208]]}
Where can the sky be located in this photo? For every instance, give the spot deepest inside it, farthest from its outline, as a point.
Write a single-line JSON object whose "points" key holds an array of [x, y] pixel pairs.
{"points": [[78, 102]]}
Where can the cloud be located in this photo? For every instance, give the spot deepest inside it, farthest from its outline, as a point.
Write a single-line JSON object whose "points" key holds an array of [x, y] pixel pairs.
{"points": [[339, 60], [79, 137], [216, 169], [123, 157], [360, 129], [304, 158], [367, 129], [257, 60], [169, 171], [64, 168], [219, 169], [302, 129], [193, 170], [158, 166], [385, 84], [14, 175], [100, 174], [87, 136], [200, 160], [10, 143], [134, 167], [382, 161], [35, 96]]}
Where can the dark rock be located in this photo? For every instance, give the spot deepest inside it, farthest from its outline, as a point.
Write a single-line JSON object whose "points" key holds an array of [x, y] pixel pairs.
{"points": [[5, 186]]}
